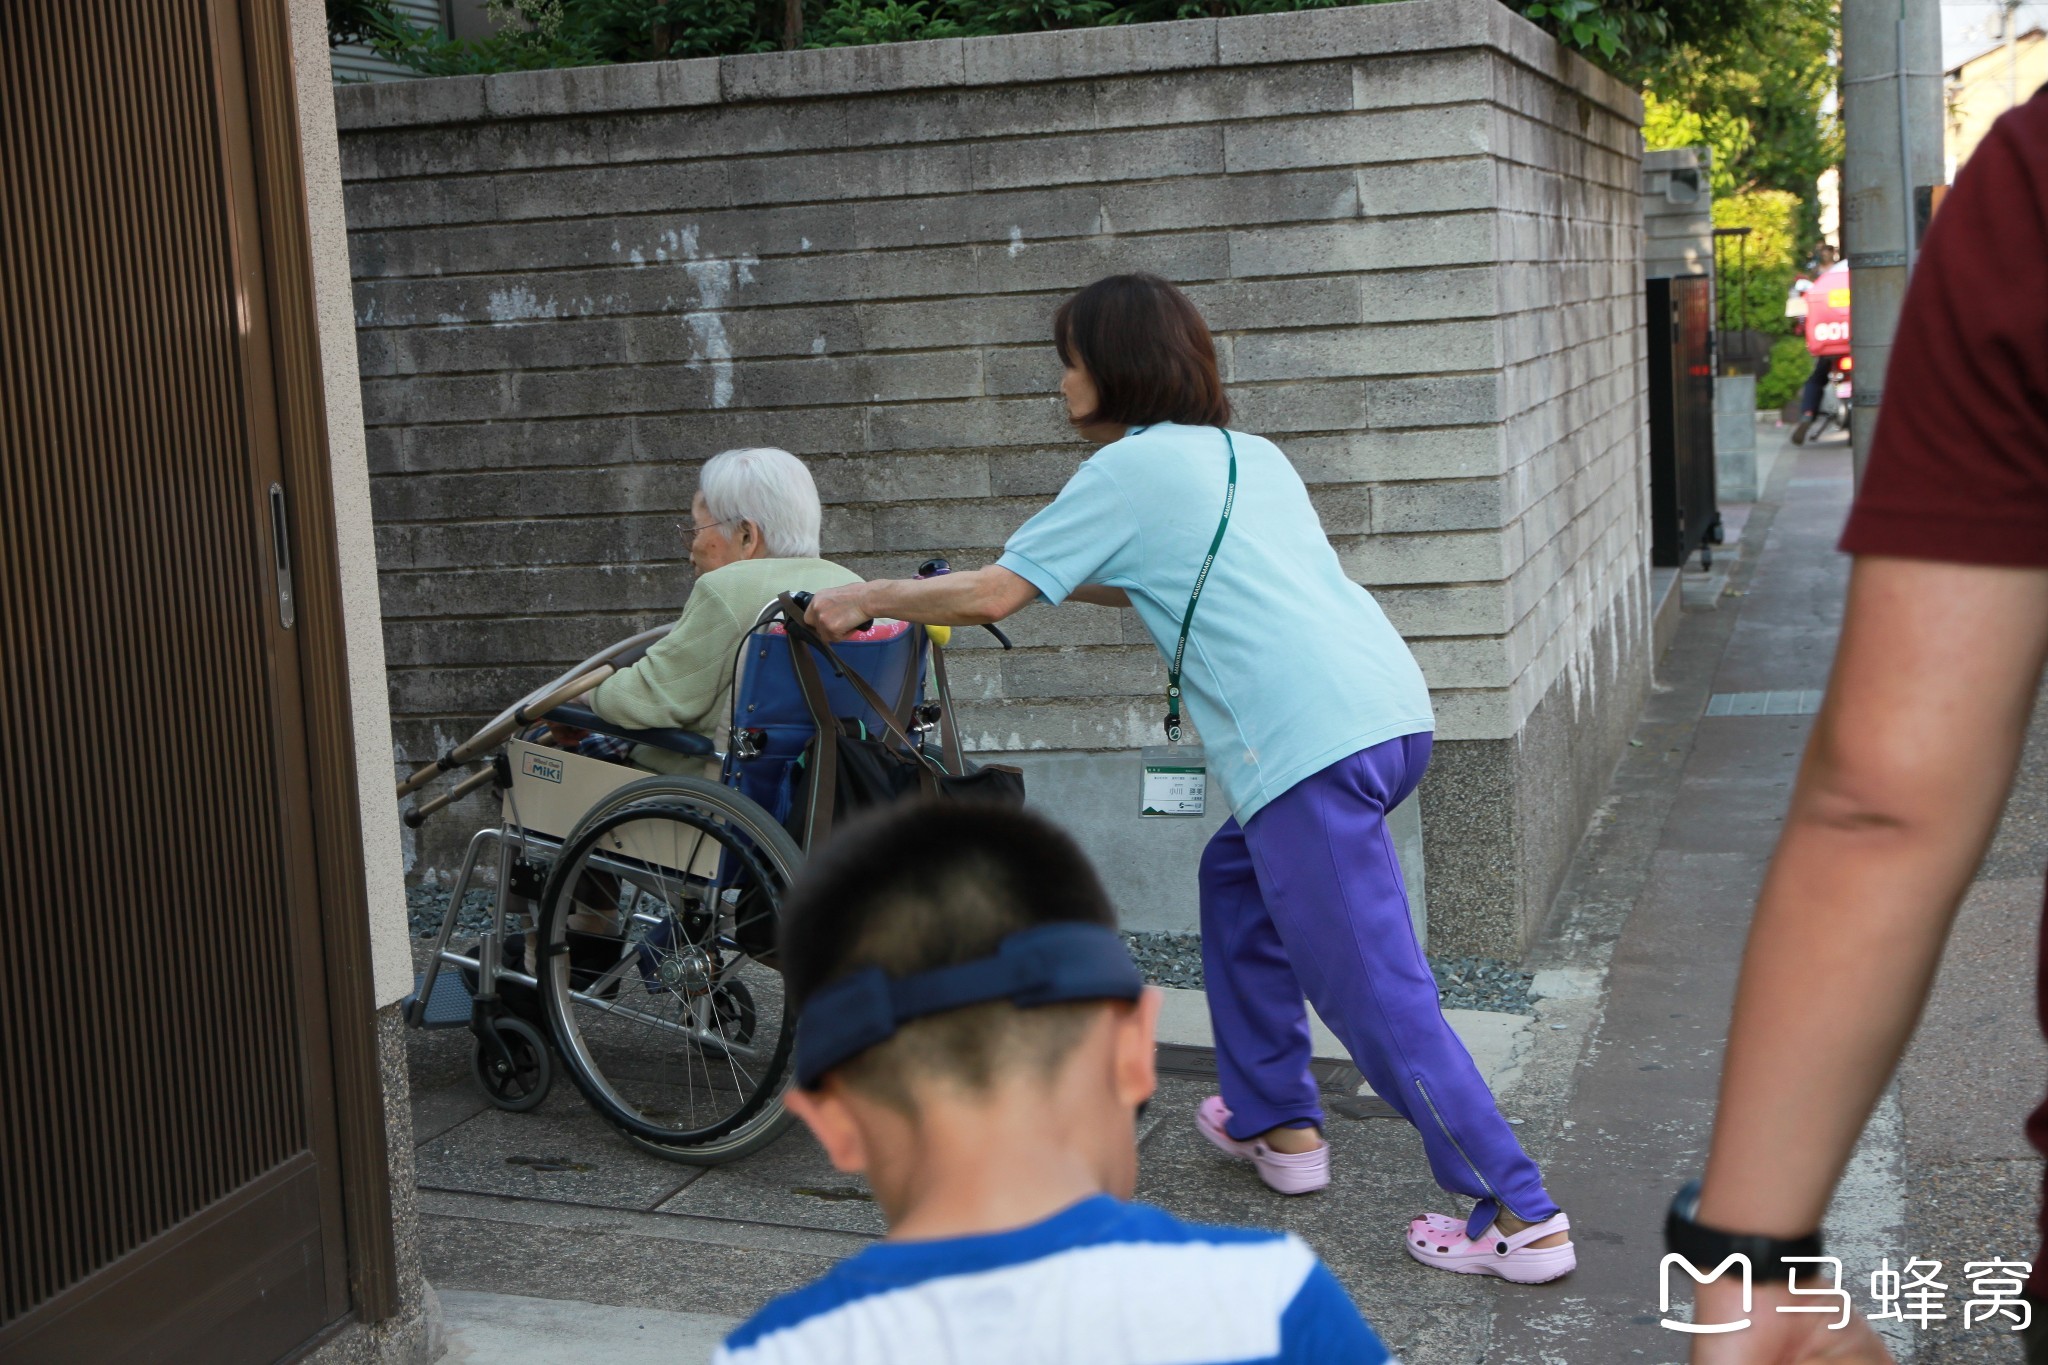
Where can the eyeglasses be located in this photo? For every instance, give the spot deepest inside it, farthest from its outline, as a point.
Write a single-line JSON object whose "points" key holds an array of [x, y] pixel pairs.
{"points": [[692, 530]]}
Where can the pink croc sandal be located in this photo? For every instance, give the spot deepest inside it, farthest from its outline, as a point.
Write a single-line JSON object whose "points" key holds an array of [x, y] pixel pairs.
{"points": [[1283, 1172], [1438, 1241]]}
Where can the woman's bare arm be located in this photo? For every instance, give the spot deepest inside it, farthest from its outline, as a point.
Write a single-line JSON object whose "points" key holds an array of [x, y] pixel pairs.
{"points": [[975, 597], [1100, 596]]}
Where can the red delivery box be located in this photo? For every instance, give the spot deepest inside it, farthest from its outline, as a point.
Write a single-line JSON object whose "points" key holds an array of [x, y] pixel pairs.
{"points": [[1827, 312]]}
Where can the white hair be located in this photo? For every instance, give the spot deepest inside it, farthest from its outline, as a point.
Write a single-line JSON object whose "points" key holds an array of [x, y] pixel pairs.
{"points": [[770, 488]]}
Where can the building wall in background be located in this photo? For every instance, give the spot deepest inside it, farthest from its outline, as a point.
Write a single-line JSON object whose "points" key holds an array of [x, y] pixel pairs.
{"points": [[354, 63], [1417, 231], [1979, 90]]}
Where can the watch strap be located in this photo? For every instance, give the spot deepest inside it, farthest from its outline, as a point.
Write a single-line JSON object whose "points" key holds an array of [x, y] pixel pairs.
{"points": [[1707, 1247]]}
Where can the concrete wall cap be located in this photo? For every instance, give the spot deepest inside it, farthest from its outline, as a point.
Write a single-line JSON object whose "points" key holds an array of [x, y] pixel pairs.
{"points": [[603, 89], [873, 69], [1367, 30], [410, 104], [1672, 159]]}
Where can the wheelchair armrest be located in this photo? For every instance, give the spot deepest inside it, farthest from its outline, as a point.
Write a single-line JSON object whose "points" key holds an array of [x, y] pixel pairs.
{"points": [[675, 741]]}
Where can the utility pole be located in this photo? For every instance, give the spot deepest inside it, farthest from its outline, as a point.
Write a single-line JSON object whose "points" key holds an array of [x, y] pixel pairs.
{"points": [[1892, 132]]}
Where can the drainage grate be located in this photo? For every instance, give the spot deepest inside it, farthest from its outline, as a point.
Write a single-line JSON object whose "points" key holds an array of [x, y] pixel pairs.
{"points": [[1764, 703]]}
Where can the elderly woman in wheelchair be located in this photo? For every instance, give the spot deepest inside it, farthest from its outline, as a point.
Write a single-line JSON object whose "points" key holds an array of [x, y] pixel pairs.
{"points": [[632, 935], [752, 533]]}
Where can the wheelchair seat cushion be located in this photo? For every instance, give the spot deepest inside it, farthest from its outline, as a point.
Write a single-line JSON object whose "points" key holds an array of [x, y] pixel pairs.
{"points": [[675, 741]]}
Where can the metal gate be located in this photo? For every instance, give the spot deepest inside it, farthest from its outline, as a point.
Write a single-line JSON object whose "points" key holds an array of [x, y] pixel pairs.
{"points": [[170, 1169], [1685, 513]]}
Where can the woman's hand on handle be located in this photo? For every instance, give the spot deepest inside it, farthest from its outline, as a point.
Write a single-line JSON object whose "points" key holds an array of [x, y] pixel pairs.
{"points": [[978, 597], [836, 613]]}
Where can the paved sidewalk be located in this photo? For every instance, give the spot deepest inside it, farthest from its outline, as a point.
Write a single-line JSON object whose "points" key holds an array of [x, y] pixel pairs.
{"points": [[505, 1329], [1610, 1082]]}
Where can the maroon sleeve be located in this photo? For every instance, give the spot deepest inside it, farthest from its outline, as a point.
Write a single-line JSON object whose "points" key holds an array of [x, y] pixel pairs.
{"points": [[1959, 467]]}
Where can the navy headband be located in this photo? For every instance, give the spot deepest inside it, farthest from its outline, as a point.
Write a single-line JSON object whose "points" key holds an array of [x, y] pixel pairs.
{"points": [[1048, 964]]}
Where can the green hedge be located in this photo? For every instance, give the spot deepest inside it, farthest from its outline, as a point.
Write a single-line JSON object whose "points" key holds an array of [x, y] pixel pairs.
{"points": [[1622, 34]]}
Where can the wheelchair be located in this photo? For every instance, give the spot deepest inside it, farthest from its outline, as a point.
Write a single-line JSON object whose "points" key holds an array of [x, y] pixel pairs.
{"points": [[631, 936]]}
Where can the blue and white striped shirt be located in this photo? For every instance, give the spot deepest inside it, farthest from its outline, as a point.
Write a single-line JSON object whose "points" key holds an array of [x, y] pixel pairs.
{"points": [[1101, 1283]]}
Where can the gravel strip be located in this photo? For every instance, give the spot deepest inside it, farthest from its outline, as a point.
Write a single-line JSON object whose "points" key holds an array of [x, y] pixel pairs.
{"points": [[425, 905], [1463, 983]]}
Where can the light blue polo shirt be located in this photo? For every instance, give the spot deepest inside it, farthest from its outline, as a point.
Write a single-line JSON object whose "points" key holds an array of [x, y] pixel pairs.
{"points": [[1290, 665]]}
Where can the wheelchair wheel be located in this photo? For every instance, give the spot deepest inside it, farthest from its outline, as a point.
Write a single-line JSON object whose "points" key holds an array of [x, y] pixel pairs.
{"points": [[683, 1041]]}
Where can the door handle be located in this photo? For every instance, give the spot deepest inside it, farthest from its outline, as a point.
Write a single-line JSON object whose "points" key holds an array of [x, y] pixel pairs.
{"points": [[281, 545]]}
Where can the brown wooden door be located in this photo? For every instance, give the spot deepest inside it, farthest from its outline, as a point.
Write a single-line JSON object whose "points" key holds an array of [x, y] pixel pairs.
{"points": [[169, 1187]]}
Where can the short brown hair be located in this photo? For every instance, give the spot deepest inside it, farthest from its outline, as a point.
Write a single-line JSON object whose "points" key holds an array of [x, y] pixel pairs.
{"points": [[1148, 350], [924, 885]]}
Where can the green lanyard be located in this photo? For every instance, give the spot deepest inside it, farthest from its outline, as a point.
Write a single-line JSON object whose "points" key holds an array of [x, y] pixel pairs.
{"points": [[1173, 671]]}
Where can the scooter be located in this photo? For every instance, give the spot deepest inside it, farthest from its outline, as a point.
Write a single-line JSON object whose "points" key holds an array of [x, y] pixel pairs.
{"points": [[1836, 402]]}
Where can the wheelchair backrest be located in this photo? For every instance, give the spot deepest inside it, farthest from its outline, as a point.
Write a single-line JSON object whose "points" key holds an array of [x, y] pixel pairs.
{"points": [[771, 723]]}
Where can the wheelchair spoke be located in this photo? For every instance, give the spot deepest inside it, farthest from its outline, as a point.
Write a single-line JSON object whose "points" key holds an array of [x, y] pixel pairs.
{"points": [[668, 1018]]}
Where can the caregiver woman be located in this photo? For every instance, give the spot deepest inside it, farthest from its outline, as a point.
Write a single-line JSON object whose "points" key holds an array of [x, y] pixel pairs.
{"points": [[1316, 723]]}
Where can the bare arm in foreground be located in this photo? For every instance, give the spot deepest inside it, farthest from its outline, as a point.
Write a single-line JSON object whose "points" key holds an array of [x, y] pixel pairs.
{"points": [[1898, 795]]}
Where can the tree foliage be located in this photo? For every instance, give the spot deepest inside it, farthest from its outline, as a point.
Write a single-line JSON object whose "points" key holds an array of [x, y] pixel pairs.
{"points": [[1757, 94], [1631, 37]]}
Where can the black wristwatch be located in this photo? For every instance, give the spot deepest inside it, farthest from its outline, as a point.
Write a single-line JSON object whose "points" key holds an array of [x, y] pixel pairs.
{"points": [[1706, 1248]]}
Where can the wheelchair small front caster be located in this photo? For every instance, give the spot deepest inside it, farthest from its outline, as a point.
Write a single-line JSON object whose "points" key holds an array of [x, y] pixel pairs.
{"points": [[517, 1078]]}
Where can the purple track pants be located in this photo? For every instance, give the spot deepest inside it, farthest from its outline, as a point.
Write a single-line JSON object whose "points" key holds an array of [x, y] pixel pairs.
{"points": [[1307, 900]]}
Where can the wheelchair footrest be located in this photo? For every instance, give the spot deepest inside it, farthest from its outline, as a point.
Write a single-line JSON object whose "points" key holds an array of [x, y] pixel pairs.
{"points": [[448, 1006]]}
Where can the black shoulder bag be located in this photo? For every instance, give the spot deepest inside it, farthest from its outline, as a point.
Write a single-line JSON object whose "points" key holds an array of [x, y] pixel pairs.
{"points": [[847, 770]]}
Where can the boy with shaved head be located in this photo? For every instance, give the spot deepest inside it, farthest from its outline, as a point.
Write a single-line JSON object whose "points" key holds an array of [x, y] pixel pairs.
{"points": [[975, 1040]]}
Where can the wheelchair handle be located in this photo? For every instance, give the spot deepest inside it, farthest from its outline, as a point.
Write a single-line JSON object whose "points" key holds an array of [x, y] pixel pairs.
{"points": [[417, 816], [931, 568], [803, 599], [507, 720]]}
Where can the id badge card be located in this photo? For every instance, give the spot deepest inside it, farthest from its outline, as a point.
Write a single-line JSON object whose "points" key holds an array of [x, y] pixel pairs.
{"points": [[1175, 780]]}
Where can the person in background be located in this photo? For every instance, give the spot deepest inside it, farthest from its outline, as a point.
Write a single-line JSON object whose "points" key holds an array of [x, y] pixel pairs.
{"points": [[1940, 662], [1301, 890], [975, 1039], [1823, 365]]}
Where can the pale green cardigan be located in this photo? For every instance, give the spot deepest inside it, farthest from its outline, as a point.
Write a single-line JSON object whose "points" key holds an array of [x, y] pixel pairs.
{"points": [[684, 681]]}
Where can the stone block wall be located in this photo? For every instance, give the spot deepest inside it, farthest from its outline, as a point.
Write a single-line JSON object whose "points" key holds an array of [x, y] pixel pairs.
{"points": [[1415, 227]]}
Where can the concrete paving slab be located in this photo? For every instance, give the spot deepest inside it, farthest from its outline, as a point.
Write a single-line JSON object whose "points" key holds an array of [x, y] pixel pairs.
{"points": [[741, 1233], [791, 1183], [1785, 637], [1730, 816], [560, 1151], [1378, 1179], [609, 1264], [1974, 1071], [510, 1329]]}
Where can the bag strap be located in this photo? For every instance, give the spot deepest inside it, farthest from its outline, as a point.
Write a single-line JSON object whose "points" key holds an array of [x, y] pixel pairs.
{"points": [[825, 770], [801, 633], [949, 737]]}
